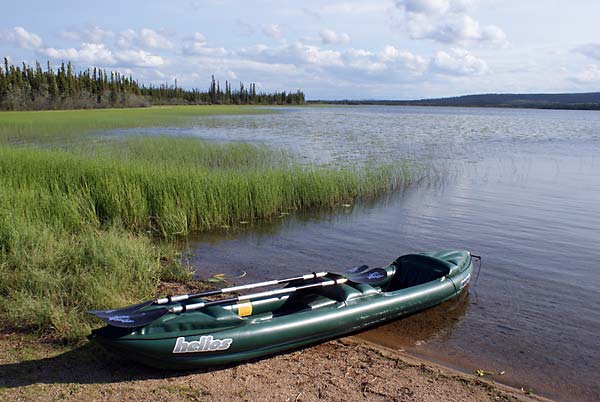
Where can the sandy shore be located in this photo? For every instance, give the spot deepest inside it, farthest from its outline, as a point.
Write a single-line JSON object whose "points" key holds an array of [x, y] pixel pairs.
{"points": [[348, 369]]}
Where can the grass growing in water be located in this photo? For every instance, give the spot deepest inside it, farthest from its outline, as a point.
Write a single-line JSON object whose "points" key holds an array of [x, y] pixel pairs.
{"points": [[64, 125], [81, 228]]}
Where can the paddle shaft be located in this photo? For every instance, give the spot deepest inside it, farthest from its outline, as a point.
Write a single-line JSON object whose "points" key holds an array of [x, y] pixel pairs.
{"points": [[140, 317], [178, 298], [270, 293], [128, 311]]}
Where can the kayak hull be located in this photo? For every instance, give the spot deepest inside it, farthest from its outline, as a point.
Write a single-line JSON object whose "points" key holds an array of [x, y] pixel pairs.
{"points": [[222, 336]]}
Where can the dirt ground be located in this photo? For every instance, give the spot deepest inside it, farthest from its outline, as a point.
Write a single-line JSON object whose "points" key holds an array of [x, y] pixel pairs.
{"points": [[342, 370]]}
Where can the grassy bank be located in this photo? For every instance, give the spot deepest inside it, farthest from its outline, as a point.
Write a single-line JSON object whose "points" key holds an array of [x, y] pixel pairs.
{"points": [[93, 226]]}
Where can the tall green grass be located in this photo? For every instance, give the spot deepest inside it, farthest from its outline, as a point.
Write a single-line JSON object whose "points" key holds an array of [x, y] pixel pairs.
{"points": [[148, 191], [94, 226]]}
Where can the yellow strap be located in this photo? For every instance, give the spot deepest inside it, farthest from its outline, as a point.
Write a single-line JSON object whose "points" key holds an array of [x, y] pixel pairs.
{"points": [[245, 309]]}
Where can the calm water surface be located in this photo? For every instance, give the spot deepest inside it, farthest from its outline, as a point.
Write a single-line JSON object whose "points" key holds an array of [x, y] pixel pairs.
{"points": [[522, 189]]}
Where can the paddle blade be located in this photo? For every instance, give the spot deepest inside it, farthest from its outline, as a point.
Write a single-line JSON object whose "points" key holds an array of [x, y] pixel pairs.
{"points": [[134, 319], [370, 277], [120, 311], [356, 270]]}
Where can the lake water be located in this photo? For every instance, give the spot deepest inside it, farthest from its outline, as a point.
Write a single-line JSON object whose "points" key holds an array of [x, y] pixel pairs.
{"points": [[521, 188]]}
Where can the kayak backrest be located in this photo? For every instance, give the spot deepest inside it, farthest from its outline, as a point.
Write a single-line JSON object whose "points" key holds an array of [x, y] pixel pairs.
{"points": [[457, 259], [416, 269], [340, 292]]}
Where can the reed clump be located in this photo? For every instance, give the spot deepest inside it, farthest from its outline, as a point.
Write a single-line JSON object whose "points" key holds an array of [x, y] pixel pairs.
{"points": [[93, 226], [190, 186]]}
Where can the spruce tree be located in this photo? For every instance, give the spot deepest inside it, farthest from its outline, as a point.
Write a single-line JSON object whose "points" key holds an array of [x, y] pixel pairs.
{"points": [[26, 87]]}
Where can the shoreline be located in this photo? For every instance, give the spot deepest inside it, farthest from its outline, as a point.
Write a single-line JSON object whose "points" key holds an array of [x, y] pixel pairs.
{"points": [[342, 369]]}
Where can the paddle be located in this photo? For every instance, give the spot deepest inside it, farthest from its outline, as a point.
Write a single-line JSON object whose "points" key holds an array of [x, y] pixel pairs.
{"points": [[170, 299], [145, 317]]}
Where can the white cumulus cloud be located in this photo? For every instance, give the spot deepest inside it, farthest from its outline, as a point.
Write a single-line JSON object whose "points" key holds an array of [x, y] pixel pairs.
{"points": [[20, 37], [350, 64], [91, 34], [139, 58], [296, 54], [98, 54], [389, 60], [329, 36], [457, 62], [200, 49], [412, 62], [144, 38], [92, 53], [196, 45], [364, 60], [317, 56], [447, 21], [403, 60], [389, 53], [97, 34]]}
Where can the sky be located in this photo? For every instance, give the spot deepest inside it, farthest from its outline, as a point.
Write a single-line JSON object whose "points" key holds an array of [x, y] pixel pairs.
{"points": [[338, 49]]}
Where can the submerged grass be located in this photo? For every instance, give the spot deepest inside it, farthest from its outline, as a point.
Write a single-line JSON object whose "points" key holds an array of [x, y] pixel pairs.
{"points": [[58, 126], [93, 226]]}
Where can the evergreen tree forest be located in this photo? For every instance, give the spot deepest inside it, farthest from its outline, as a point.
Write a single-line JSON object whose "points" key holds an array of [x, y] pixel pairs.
{"points": [[34, 88]]}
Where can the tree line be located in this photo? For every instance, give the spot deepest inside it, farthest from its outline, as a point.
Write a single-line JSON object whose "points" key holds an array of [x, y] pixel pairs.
{"points": [[33, 88]]}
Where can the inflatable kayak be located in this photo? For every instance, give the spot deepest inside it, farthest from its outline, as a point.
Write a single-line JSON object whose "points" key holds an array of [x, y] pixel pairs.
{"points": [[183, 332]]}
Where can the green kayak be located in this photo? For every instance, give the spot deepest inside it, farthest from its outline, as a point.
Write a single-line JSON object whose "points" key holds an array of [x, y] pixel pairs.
{"points": [[323, 307]]}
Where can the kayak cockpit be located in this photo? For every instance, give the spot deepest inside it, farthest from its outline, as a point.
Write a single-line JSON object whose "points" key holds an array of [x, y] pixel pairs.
{"points": [[416, 269]]}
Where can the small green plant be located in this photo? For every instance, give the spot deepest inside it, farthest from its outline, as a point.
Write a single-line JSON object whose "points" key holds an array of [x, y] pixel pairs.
{"points": [[528, 392]]}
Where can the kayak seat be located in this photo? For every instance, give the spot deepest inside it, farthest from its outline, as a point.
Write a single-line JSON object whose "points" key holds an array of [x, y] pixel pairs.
{"points": [[340, 293], [348, 291], [458, 259], [223, 316], [301, 302], [365, 289], [416, 269], [323, 297]]}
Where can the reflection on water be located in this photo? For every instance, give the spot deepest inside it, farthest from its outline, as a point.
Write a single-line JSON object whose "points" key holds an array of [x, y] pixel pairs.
{"points": [[434, 325], [522, 190]]}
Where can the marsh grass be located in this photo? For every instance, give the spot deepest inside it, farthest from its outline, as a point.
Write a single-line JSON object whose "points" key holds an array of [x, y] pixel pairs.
{"points": [[197, 187], [95, 226], [63, 126]]}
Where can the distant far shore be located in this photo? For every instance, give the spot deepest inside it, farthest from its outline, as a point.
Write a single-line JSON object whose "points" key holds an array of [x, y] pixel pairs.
{"points": [[568, 101]]}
